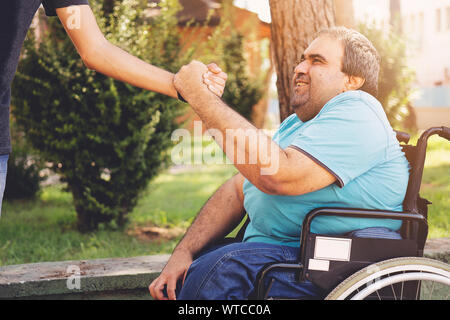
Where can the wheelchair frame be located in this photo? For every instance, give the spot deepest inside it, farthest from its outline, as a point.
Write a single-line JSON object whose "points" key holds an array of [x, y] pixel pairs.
{"points": [[414, 227]]}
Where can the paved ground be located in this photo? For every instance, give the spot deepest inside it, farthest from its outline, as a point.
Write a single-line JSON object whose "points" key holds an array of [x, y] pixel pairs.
{"points": [[437, 246]]}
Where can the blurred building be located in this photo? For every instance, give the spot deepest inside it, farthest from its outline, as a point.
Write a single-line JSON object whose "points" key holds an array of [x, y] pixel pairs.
{"points": [[426, 26]]}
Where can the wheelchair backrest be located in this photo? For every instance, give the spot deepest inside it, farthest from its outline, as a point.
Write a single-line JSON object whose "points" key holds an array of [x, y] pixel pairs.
{"points": [[413, 203]]}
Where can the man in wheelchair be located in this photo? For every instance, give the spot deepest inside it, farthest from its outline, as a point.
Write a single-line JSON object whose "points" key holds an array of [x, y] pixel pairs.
{"points": [[337, 150]]}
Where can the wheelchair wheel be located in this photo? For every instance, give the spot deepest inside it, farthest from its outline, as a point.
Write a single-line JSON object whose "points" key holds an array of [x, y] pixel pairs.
{"points": [[408, 278]]}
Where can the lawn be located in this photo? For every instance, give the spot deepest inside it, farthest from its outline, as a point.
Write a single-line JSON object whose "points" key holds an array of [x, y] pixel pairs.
{"points": [[44, 229]]}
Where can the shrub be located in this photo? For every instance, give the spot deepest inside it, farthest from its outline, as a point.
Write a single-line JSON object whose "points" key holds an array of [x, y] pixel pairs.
{"points": [[106, 138], [225, 46], [241, 92], [24, 167]]}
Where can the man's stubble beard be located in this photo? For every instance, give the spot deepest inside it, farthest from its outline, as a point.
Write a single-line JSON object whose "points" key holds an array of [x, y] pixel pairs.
{"points": [[303, 105]]}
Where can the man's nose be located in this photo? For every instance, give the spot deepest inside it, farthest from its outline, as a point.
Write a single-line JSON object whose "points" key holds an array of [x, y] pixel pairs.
{"points": [[302, 67]]}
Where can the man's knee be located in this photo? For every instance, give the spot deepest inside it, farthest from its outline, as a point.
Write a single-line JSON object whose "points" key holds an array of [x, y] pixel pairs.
{"points": [[228, 272]]}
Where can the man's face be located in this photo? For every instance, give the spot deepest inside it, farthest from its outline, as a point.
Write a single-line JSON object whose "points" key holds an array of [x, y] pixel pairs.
{"points": [[318, 77]]}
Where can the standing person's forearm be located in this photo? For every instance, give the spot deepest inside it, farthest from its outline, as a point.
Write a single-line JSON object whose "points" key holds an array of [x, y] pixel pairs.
{"points": [[102, 56], [120, 65]]}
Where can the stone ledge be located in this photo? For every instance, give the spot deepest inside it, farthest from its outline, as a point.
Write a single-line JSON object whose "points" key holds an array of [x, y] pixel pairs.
{"points": [[109, 278], [95, 276]]}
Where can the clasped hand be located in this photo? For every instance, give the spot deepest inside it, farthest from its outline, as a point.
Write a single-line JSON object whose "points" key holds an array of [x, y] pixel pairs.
{"points": [[195, 78]]}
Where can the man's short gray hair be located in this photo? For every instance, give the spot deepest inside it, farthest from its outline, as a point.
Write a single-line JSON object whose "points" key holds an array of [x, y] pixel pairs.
{"points": [[361, 59]]}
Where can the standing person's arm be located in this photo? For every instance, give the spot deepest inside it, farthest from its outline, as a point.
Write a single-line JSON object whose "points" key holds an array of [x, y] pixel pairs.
{"points": [[102, 56], [221, 213]]}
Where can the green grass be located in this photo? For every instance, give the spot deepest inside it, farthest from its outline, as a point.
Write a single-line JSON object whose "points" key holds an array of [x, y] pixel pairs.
{"points": [[44, 229]]}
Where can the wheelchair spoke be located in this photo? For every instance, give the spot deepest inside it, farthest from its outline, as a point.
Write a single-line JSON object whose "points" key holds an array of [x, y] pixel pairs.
{"points": [[393, 291], [418, 289], [401, 292], [379, 298]]}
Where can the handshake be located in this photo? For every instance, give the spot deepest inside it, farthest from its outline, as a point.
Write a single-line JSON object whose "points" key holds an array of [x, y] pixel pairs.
{"points": [[197, 80]]}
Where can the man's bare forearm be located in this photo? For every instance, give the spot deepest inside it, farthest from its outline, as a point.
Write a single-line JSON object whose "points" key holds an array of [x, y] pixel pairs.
{"points": [[221, 213], [266, 156], [242, 141]]}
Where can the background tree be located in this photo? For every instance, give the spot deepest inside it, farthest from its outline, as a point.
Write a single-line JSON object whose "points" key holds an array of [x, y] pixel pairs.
{"points": [[294, 24], [241, 92], [344, 13], [24, 167], [395, 16], [225, 46], [395, 84]]}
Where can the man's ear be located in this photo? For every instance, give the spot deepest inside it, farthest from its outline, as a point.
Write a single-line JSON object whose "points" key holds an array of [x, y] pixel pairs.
{"points": [[354, 83]]}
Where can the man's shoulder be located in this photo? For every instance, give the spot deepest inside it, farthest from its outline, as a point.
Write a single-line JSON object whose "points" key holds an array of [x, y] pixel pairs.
{"points": [[355, 106], [353, 98]]}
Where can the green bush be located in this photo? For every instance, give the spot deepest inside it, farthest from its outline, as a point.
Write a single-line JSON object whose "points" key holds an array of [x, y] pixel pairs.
{"points": [[225, 47], [241, 92], [24, 167], [106, 138], [396, 78]]}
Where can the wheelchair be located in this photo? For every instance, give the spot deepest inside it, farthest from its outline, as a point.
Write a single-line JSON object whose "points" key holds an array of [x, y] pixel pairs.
{"points": [[357, 268]]}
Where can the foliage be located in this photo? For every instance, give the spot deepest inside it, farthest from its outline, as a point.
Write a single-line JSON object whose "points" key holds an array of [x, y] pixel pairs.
{"points": [[225, 46], [106, 138], [24, 167], [396, 78], [241, 92]]}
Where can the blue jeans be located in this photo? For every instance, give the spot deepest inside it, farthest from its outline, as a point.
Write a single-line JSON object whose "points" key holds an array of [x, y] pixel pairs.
{"points": [[229, 272], [3, 169]]}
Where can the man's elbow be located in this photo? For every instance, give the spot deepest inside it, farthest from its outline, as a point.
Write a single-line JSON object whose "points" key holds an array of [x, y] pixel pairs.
{"points": [[275, 185], [271, 184]]}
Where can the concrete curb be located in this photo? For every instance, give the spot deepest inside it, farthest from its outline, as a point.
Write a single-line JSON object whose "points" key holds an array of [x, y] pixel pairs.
{"points": [[93, 276], [122, 278]]}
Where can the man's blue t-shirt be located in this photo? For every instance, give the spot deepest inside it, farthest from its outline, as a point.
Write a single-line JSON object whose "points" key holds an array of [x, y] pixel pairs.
{"points": [[352, 139]]}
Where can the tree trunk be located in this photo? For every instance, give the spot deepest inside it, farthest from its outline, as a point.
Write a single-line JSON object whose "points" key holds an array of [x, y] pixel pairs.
{"points": [[294, 24], [344, 13], [395, 11]]}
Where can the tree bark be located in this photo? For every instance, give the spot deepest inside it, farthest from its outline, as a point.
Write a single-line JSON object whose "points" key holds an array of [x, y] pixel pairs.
{"points": [[294, 24], [344, 13], [395, 11]]}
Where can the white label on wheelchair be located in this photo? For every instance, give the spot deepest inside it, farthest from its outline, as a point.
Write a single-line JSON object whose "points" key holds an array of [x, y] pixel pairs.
{"points": [[336, 249], [319, 265]]}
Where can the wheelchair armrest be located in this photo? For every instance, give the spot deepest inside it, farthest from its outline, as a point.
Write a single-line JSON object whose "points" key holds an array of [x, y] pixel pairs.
{"points": [[358, 213]]}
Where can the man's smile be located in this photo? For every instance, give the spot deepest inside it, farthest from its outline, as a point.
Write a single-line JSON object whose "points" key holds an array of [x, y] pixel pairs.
{"points": [[300, 83]]}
